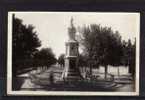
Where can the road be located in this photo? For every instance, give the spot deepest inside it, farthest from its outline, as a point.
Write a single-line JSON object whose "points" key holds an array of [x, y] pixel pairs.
{"points": [[28, 85]]}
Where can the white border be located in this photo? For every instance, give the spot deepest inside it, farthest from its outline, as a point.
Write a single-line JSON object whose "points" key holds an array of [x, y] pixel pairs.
{"points": [[69, 93]]}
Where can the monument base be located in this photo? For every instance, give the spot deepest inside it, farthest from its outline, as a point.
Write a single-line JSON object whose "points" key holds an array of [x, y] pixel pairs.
{"points": [[71, 71]]}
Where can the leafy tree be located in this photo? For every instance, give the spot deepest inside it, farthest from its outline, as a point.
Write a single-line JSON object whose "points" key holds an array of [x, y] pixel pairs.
{"points": [[24, 43], [87, 40], [25, 40], [82, 63], [82, 60], [44, 57], [61, 60], [124, 59], [132, 60], [101, 46], [129, 56]]}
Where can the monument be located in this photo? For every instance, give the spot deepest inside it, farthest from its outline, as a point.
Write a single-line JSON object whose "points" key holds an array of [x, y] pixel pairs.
{"points": [[71, 71]]}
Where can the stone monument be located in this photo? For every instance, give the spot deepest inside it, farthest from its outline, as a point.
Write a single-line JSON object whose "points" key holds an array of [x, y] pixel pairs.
{"points": [[71, 71]]}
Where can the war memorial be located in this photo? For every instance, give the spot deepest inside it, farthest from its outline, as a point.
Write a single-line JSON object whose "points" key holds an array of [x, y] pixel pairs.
{"points": [[70, 78], [76, 71]]}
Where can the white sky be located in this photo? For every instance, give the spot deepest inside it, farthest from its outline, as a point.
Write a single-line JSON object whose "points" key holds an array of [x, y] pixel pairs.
{"points": [[52, 26]]}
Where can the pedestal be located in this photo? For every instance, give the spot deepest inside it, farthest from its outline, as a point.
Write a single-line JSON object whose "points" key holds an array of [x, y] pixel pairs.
{"points": [[71, 71]]}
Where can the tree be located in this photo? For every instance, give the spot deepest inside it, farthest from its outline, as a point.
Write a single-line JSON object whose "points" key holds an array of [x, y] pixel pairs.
{"points": [[117, 52], [61, 60], [44, 57], [124, 59], [129, 56], [133, 60], [24, 43], [101, 46], [82, 60], [87, 42], [82, 63], [25, 40]]}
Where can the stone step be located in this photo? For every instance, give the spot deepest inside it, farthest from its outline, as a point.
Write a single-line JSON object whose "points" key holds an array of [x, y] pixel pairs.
{"points": [[73, 72], [73, 69], [123, 82], [72, 79], [75, 76]]}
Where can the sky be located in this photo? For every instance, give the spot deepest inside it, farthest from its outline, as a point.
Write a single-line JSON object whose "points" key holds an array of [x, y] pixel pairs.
{"points": [[52, 27]]}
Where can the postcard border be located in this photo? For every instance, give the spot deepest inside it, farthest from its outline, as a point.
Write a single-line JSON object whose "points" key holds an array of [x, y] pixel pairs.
{"points": [[62, 93]]}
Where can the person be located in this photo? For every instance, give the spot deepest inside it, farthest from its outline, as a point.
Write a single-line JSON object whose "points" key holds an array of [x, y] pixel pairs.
{"points": [[51, 77]]}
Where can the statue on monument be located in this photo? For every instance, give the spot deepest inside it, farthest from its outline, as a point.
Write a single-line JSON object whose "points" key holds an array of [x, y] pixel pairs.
{"points": [[71, 71], [71, 31]]}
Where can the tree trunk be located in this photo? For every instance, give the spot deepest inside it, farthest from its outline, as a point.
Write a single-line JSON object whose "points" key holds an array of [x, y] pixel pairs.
{"points": [[85, 70], [90, 69], [130, 69], [106, 71], [118, 71]]}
